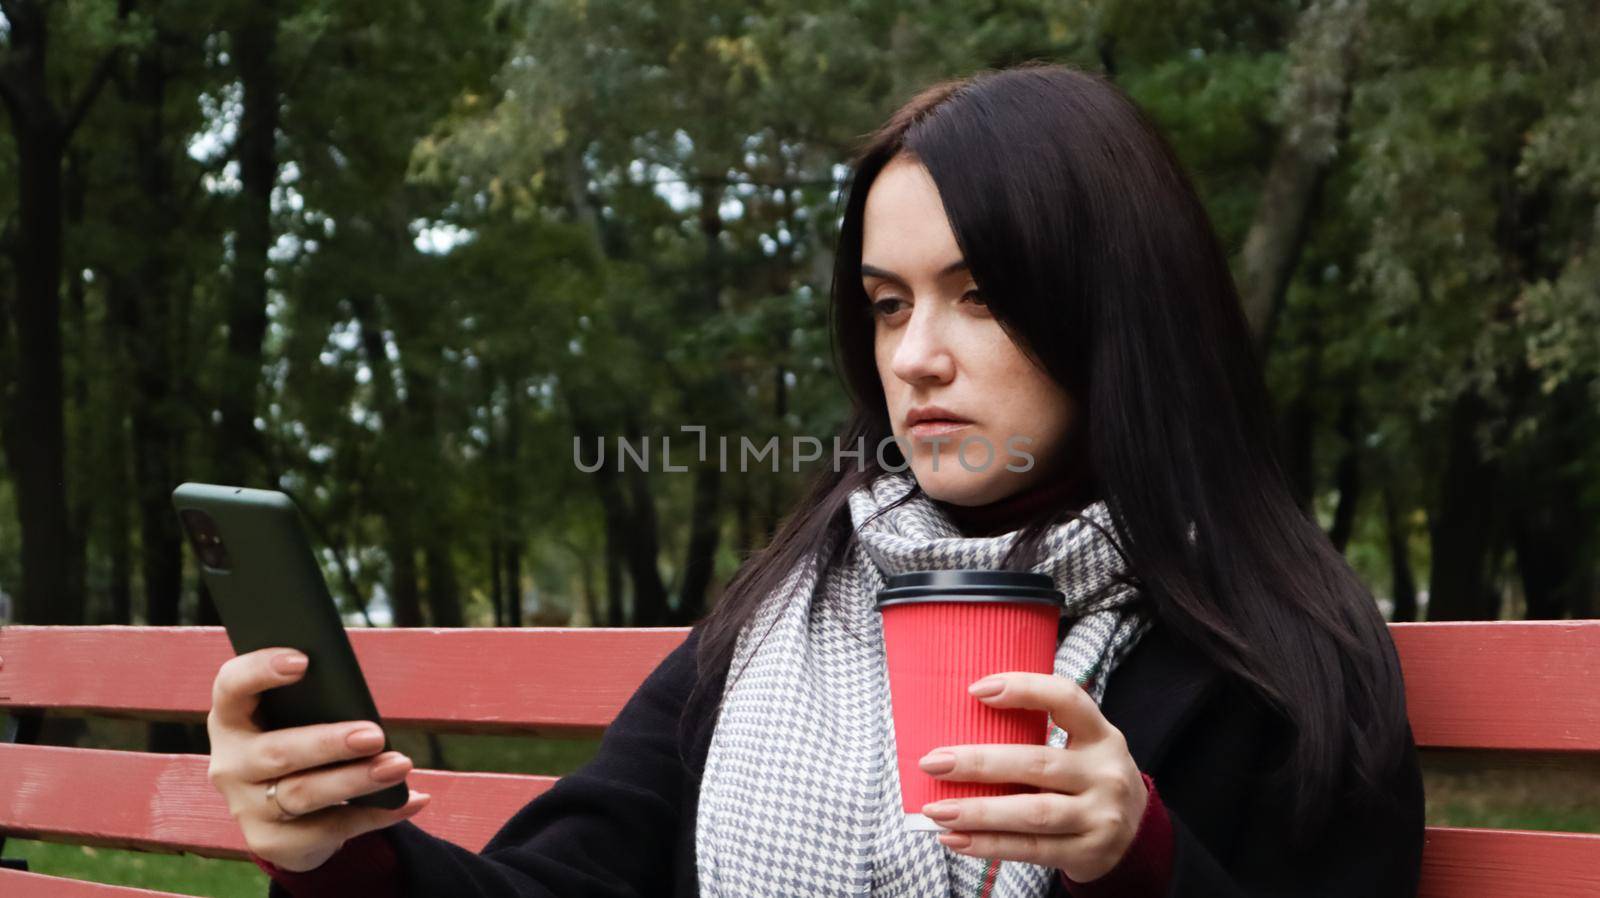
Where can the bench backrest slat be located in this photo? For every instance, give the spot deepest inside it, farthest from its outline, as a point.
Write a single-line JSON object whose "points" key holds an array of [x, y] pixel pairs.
{"points": [[16, 884], [165, 802], [1508, 685], [1492, 863], [550, 681], [1531, 685]]}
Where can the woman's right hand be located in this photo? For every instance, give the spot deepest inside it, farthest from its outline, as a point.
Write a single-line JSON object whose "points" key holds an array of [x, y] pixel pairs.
{"points": [[316, 768]]}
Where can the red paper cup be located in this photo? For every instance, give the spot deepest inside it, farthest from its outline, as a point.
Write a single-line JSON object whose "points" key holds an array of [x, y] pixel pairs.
{"points": [[943, 631]]}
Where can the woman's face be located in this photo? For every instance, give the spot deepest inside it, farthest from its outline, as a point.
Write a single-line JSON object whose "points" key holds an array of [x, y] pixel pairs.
{"points": [[938, 345]]}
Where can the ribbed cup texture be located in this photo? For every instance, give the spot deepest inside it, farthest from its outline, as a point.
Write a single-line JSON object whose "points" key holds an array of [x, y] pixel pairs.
{"points": [[935, 651]]}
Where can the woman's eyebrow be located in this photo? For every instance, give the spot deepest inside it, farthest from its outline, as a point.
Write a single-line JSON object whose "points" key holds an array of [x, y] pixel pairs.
{"points": [[876, 272]]}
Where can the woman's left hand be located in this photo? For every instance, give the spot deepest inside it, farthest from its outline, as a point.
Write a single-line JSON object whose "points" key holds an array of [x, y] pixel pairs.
{"points": [[1091, 794]]}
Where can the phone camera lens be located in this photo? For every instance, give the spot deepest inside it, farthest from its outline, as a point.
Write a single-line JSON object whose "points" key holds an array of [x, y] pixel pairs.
{"points": [[205, 538]]}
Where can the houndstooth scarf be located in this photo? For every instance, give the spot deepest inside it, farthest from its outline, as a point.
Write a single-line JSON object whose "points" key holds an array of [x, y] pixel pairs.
{"points": [[801, 792]]}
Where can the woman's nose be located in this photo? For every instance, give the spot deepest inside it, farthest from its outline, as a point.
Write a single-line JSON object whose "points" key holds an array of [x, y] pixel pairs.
{"points": [[923, 353]]}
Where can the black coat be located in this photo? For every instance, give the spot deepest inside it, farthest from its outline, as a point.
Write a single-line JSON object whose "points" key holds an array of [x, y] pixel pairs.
{"points": [[623, 824]]}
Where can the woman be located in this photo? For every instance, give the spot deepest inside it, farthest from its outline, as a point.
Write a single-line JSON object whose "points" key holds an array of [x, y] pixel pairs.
{"points": [[1022, 264]]}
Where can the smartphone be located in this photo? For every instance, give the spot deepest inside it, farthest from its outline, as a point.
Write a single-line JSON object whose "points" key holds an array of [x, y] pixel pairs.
{"points": [[269, 591]]}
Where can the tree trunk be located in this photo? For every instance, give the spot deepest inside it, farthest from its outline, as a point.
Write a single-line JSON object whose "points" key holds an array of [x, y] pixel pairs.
{"points": [[119, 526], [33, 425], [405, 597], [82, 443], [1348, 476], [1402, 582], [239, 457], [512, 537], [497, 593], [392, 492], [1300, 426], [773, 512], [642, 543], [444, 592], [499, 474], [140, 301], [255, 47], [511, 551], [1549, 540], [1461, 578], [744, 513], [625, 553], [591, 611], [614, 580], [1553, 536], [704, 536], [1322, 64], [115, 453], [146, 332]]}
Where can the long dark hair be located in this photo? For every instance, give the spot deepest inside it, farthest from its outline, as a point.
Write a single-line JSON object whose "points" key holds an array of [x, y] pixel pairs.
{"points": [[1096, 256]]}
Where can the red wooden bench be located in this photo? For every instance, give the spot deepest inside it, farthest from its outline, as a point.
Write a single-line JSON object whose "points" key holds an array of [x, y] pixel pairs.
{"points": [[1512, 687]]}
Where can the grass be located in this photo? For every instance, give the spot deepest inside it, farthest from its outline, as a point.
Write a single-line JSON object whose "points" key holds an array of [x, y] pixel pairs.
{"points": [[1463, 788], [1534, 791], [184, 874]]}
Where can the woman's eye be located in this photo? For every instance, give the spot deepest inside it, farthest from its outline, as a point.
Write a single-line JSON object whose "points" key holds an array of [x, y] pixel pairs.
{"points": [[889, 305], [886, 306]]}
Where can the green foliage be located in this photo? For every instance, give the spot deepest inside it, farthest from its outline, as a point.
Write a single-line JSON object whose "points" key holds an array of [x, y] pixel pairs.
{"points": [[493, 219]]}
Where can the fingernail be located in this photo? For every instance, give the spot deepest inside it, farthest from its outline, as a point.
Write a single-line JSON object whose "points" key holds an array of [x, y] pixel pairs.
{"points": [[390, 769], [987, 687], [955, 840], [940, 810], [289, 663], [364, 739], [937, 762]]}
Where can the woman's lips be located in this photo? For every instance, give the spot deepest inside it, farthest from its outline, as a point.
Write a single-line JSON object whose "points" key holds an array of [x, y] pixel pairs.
{"points": [[936, 426]]}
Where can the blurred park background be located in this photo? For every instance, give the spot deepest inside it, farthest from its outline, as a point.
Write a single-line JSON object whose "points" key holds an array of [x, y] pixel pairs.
{"points": [[394, 258]]}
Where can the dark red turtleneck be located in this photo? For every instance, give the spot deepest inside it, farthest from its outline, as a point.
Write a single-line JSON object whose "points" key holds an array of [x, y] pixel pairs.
{"points": [[1016, 510]]}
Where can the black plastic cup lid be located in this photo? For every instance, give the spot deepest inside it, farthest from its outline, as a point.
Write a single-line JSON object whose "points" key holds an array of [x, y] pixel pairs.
{"points": [[970, 586]]}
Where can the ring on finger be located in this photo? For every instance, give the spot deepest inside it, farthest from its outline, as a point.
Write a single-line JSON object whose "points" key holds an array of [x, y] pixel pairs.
{"points": [[272, 797]]}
